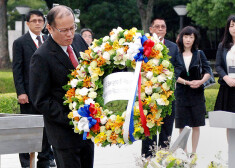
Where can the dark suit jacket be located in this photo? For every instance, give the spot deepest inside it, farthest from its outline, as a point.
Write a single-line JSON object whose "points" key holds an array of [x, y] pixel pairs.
{"points": [[49, 68], [23, 49], [185, 95], [221, 64], [173, 51]]}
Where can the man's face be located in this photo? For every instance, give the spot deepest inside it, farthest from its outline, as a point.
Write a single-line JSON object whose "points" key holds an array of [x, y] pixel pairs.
{"points": [[158, 27], [87, 36], [63, 30], [35, 24]]}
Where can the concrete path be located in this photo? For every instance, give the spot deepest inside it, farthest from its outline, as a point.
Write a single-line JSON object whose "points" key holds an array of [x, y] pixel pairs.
{"points": [[212, 140]]}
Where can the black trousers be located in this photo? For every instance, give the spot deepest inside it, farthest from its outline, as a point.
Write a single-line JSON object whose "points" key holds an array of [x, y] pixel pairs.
{"points": [[79, 157], [46, 153], [165, 134]]}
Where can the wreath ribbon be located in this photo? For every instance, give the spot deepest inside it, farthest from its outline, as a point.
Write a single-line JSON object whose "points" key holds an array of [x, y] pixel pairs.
{"points": [[128, 126], [87, 121]]}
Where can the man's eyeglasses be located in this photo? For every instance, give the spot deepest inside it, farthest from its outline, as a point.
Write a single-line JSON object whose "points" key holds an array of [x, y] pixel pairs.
{"points": [[159, 26], [35, 21], [64, 31]]}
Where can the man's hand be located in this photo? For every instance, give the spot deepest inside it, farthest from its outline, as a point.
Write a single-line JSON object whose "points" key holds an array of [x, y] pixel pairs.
{"points": [[23, 98]]}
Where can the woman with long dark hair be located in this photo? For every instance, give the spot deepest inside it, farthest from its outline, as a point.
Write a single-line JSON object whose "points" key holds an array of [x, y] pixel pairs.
{"points": [[190, 100], [225, 67]]}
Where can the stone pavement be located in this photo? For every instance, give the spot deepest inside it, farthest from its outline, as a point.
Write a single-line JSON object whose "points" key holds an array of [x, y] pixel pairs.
{"points": [[212, 140]]}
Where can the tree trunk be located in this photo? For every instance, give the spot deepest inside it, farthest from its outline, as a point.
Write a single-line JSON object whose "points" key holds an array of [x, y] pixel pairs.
{"points": [[146, 13], [4, 54]]}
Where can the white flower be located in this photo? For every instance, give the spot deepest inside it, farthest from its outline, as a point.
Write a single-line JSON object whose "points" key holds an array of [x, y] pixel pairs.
{"points": [[154, 79], [165, 86], [102, 129], [83, 124], [165, 63], [142, 95], [150, 124], [149, 75], [133, 49], [121, 41], [92, 95], [113, 117], [89, 101], [75, 114], [120, 57], [93, 64], [106, 55], [161, 78], [74, 105], [83, 91], [155, 61], [160, 101], [124, 114], [148, 90], [156, 38], [113, 37], [106, 38], [97, 49], [155, 96], [74, 82], [71, 106], [158, 47], [117, 131], [103, 120]]}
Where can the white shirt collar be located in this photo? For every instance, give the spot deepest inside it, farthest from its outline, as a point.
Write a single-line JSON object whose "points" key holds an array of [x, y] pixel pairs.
{"points": [[34, 36]]}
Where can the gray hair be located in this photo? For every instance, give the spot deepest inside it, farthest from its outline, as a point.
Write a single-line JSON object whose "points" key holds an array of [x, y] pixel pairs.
{"points": [[58, 12]]}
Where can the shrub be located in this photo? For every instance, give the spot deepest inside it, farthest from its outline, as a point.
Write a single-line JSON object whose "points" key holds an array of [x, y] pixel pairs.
{"points": [[210, 95], [6, 82], [9, 103]]}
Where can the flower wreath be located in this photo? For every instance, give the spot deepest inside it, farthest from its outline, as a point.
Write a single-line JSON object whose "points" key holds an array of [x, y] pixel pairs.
{"points": [[121, 49]]}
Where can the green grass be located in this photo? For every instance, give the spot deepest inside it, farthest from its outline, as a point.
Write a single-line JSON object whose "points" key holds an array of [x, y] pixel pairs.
{"points": [[6, 82], [210, 95], [9, 103]]}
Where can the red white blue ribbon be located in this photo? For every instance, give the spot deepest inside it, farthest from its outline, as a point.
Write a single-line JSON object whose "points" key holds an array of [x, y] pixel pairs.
{"points": [[128, 127], [86, 122]]}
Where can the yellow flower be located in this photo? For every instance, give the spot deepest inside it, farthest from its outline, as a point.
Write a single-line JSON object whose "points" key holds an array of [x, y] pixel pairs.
{"points": [[148, 100], [98, 71], [116, 45], [101, 137], [164, 97], [70, 115]]}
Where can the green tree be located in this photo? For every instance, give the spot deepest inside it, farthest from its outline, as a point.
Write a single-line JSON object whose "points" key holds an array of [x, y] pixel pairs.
{"points": [[104, 15], [210, 13], [13, 15]]}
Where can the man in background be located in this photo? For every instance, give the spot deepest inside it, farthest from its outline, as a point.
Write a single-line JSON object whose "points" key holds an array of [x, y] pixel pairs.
{"points": [[158, 26], [87, 35], [23, 49]]}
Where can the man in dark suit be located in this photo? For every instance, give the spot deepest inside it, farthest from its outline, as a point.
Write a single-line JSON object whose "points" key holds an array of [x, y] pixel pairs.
{"points": [[49, 68], [158, 26], [23, 49]]}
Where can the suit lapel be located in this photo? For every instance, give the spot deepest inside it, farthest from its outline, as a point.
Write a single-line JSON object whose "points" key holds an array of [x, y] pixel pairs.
{"points": [[225, 51], [76, 49], [194, 61], [30, 41], [58, 52]]}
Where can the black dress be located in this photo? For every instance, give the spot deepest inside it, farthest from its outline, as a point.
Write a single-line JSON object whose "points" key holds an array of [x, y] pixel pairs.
{"points": [[226, 97], [190, 103]]}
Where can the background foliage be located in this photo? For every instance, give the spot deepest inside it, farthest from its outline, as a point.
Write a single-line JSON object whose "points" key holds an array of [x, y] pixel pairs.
{"points": [[210, 13]]}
